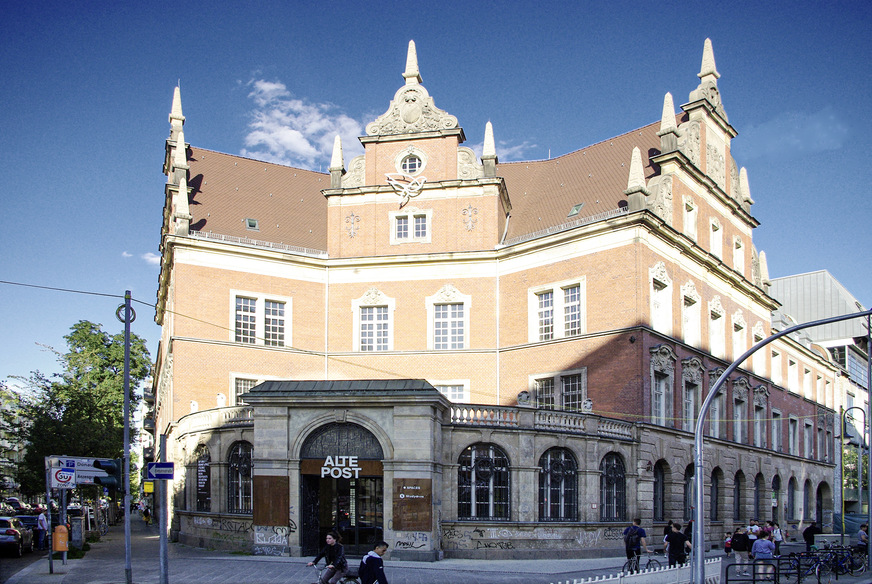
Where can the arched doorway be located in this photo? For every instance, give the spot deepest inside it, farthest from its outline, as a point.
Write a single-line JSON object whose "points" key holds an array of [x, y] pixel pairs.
{"points": [[341, 488]]}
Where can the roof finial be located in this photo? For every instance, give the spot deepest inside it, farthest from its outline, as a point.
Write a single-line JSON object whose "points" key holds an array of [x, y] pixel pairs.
{"points": [[744, 188], [177, 120], [636, 190], [489, 158], [180, 157], [667, 119], [412, 75], [337, 164], [708, 62], [182, 213]]}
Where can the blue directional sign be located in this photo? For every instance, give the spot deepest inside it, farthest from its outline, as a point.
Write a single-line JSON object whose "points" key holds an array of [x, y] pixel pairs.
{"points": [[160, 471]]}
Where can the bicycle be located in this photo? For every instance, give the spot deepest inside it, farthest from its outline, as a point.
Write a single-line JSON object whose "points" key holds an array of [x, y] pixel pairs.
{"points": [[349, 578], [632, 565]]}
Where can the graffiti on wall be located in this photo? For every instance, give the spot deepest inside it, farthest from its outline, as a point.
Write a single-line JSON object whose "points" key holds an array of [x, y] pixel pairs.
{"points": [[412, 540], [476, 538]]}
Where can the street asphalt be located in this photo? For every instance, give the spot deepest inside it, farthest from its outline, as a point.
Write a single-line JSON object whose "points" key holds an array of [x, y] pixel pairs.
{"points": [[105, 563]]}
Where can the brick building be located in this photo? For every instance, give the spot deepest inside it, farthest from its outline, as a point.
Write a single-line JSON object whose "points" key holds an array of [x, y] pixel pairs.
{"points": [[474, 358]]}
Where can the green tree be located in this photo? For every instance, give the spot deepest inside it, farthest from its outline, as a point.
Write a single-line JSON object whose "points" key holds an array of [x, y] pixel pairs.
{"points": [[849, 468], [79, 412]]}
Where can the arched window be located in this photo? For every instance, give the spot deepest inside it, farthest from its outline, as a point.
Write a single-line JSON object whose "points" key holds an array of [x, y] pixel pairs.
{"points": [[239, 478], [738, 487], [558, 486], [807, 507], [203, 462], [688, 492], [759, 494], [613, 488], [715, 495], [791, 499], [659, 490], [483, 483], [776, 495]]}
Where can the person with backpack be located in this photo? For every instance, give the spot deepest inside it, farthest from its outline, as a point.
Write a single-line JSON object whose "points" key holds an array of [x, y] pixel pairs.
{"points": [[634, 541], [372, 567], [677, 546], [741, 545]]}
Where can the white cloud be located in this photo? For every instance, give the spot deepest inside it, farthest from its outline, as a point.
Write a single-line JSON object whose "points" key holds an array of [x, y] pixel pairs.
{"points": [[151, 258], [791, 134], [296, 132], [126, 254]]}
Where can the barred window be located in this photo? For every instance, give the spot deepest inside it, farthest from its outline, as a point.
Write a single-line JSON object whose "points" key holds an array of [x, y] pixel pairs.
{"points": [[239, 478], [613, 488], [738, 487], [558, 486], [659, 491], [573, 391], [545, 393], [483, 483]]}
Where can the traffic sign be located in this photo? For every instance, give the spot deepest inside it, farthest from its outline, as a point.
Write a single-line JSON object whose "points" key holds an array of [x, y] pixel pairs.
{"points": [[161, 471], [63, 477]]}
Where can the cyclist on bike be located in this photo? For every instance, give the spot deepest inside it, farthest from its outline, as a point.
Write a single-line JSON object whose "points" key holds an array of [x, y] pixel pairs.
{"points": [[634, 541], [334, 554]]}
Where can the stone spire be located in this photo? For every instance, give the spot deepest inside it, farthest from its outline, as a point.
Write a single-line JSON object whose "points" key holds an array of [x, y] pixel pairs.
{"points": [[764, 271], [744, 189], [177, 120], [668, 130], [180, 158], [337, 164], [489, 158], [636, 191], [182, 212], [412, 75], [708, 68]]}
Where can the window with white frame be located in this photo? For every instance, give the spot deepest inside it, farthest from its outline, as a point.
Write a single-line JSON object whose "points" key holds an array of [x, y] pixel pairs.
{"points": [[739, 335], [565, 390], [716, 416], [821, 452], [808, 440], [792, 376], [448, 319], [759, 426], [661, 299], [691, 393], [739, 255], [793, 436], [662, 375], [659, 405], [690, 217], [691, 318], [777, 375], [259, 319], [373, 321], [776, 431], [241, 387], [456, 390], [717, 239], [557, 310], [806, 383], [739, 420], [411, 225], [758, 361], [820, 396], [717, 328]]}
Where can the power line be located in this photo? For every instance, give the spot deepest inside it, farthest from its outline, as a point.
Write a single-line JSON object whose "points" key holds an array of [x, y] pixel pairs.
{"points": [[61, 289]]}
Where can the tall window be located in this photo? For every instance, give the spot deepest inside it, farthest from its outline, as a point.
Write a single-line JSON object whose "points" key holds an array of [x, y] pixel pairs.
{"points": [[659, 404], [691, 315], [717, 328], [792, 376], [203, 461], [613, 485], [662, 372], [260, 320], [558, 491], [556, 311], [758, 360], [739, 255], [661, 299], [691, 393], [715, 495], [688, 493], [759, 496], [739, 336], [690, 214], [739, 420], [808, 441], [738, 489], [374, 328], [777, 374], [448, 326], [793, 436], [573, 391], [241, 387], [791, 500], [483, 483], [777, 440], [717, 239], [246, 324], [807, 507], [239, 478], [659, 491], [545, 393], [716, 416], [759, 426], [776, 497]]}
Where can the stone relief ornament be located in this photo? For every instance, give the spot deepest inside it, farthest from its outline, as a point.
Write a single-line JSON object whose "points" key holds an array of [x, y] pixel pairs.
{"points": [[741, 389], [663, 359], [587, 406], [405, 186], [761, 396], [661, 201], [351, 224], [468, 220], [714, 375], [734, 179], [448, 294], [756, 273], [690, 142], [468, 167], [354, 176], [412, 110], [658, 274], [714, 164], [709, 91], [374, 297], [691, 370]]}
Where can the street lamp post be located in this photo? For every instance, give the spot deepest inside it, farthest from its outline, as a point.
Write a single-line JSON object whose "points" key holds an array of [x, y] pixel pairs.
{"points": [[860, 447]]}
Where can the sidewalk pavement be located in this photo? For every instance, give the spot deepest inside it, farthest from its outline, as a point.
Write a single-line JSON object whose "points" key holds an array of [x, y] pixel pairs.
{"points": [[105, 564]]}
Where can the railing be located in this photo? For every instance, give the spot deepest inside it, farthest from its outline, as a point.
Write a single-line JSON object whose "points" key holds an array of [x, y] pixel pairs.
{"points": [[553, 420], [568, 225], [258, 243], [615, 429], [485, 416]]}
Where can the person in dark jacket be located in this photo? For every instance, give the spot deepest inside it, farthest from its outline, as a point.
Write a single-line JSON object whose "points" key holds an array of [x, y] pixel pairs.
{"points": [[372, 567], [809, 533], [334, 554], [741, 547]]}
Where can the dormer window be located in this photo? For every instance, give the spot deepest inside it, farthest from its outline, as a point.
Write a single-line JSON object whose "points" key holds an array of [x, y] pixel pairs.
{"points": [[411, 164], [251, 225]]}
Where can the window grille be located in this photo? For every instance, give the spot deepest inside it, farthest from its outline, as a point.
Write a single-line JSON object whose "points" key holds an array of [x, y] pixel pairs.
{"points": [[239, 478], [613, 484], [558, 489], [483, 483]]}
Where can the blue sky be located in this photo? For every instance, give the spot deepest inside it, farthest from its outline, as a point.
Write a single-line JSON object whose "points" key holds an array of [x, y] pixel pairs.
{"points": [[87, 88]]}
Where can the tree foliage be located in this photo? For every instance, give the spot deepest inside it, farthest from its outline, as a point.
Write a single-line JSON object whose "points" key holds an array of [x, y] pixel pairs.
{"points": [[79, 412]]}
